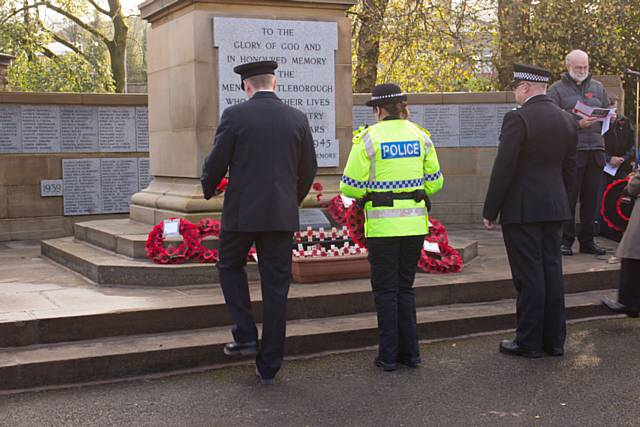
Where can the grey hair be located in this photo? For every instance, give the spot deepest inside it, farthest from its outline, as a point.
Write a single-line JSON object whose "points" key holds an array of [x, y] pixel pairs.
{"points": [[567, 59], [261, 81]]}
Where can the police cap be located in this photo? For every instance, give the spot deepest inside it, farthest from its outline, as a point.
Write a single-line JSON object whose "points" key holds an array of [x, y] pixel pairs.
{"points": [[251, 69], [529, 73], [386, 93]]}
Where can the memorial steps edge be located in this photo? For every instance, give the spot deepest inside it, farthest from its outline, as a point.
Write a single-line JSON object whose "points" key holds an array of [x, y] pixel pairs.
{"points": [[125, 356]]}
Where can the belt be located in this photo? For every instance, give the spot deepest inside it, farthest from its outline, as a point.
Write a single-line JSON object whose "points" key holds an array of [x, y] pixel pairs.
{"points": [[386, 198]]}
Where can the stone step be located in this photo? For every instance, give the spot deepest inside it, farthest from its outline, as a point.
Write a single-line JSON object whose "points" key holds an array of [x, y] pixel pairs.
{"points": [[203, 307], [109, 358], [105, 267]]}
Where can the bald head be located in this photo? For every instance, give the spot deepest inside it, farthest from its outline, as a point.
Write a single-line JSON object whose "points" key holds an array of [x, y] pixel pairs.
{"points": [[577, 62]]}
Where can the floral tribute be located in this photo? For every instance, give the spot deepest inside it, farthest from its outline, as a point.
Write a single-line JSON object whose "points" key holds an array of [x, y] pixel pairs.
{"points": [[208, 227], [448, 260], [172, 254]]}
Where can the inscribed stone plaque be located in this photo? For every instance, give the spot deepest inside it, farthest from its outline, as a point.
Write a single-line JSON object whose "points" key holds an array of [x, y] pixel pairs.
{"points": [[81, 181], [142, 128], [119, 181], [40, 129], [305, 52], [10, 129], [361, 115], [314, 218], [144, 179], [51, 188], [79, 129], [117, 129], [443, 122], [478, 125]]}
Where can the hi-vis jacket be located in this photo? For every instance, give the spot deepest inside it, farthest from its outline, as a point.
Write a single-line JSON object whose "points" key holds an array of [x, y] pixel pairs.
{"points": [[393, 155]]}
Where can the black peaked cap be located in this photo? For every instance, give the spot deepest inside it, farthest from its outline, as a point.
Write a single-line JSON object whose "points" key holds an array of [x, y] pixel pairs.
{"points": [[251, 69], [386, 93]]}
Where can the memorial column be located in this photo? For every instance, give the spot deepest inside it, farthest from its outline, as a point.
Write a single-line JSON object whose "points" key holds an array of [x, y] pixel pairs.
{"points": [[192, 48]]}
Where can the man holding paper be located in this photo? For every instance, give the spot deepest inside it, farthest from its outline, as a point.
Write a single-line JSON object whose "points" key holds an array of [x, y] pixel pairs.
{"points": [[577, 88]]}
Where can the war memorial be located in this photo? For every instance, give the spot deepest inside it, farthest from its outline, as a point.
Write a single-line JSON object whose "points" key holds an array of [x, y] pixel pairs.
{"points": [[88, 176]]}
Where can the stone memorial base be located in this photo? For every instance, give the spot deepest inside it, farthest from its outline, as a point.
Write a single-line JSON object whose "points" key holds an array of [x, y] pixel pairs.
{"points": [[111, 252]]}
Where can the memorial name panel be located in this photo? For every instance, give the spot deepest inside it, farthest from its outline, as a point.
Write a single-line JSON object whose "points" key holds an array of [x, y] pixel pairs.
{"points": [[119, 181], [11, 129], [73, 129], [82, 190], [79, 129], [144, 178], [40, 129], [117, 129], [142, 129], [102, 185], [305, 53]]}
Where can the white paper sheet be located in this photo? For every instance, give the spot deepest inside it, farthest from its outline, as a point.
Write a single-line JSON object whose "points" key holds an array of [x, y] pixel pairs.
{"points": [[611, 170]]}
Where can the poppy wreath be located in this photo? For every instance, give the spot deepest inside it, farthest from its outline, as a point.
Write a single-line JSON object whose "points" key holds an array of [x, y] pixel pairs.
{"points": [[355, 224], [337, 210], [208, 227], [189, 247], [449, 259], [612, 204]]}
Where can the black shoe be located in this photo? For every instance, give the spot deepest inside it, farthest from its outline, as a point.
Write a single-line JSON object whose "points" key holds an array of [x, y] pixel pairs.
{"points": [[566, 250], [263, 380], [241, 348], [592, 248], [387, 367], [513, 349], [616, 307], [554, 351], [411, 362]]}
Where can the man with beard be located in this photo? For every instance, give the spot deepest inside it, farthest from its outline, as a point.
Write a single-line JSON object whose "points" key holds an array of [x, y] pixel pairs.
{"points": [[578, 85]]}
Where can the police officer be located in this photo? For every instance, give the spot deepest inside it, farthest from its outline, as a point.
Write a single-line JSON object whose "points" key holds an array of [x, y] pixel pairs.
{"points": [[392, 168], [268, 150], [529, 188]]}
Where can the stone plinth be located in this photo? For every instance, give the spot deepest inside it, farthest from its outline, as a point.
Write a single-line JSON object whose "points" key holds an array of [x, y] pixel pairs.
{"points": [[183, 94]]}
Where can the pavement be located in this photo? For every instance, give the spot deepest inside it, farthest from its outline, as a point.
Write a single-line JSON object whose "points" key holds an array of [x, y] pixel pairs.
{"points": [[464, 382]]}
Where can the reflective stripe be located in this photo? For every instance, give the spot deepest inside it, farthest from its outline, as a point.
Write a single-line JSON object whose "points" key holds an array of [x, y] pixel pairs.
{"points": [[371, 153], [433, 176], [396, 213], [392, 185], [353, 182]]}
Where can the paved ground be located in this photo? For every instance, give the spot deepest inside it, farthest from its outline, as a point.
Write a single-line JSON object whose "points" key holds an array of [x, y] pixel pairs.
{"points": [[462, 383], [33, 287]]}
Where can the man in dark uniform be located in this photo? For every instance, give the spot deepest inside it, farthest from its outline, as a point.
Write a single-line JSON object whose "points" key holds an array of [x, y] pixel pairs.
{"points": [[268, 149], [532, 176]]}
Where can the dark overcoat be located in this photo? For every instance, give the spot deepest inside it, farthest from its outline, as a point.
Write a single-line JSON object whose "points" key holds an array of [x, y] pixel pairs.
{"points": [[268, 149], [535, 166]]}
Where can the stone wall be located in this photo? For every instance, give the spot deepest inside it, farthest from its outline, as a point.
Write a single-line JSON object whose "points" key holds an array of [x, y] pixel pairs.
{"points": [[24, 214]]}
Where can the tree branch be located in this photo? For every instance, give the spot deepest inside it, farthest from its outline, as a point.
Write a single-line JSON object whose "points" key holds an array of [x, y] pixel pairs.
{"points": [[78, 21], [98, 8], [17, 11]]}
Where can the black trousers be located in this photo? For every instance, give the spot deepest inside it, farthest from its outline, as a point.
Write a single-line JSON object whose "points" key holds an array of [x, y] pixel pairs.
{"points": [[274, 264], [536, 267], [587, 187], [394, 261], [629, 292]]}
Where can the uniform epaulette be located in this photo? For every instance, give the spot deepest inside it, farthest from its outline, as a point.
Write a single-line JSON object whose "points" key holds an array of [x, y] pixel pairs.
{"points": [[359, 133]]}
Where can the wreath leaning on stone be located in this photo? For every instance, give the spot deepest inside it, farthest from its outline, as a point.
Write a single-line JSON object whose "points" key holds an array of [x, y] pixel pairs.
{"points": [[171, 254]]}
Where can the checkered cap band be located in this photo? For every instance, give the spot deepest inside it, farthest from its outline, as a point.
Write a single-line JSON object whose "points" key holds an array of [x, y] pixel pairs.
{"points": [[392, 95], [530, 77]]}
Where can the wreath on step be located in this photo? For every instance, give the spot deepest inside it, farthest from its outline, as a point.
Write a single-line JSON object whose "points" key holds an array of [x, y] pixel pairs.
{"points": [[173, 254]]}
